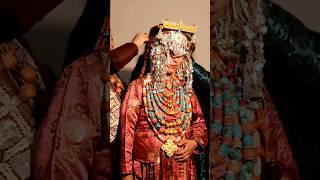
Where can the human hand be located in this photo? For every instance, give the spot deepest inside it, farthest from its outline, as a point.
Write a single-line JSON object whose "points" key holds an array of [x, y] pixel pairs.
{"points": [[140, 38], [187, 147]]}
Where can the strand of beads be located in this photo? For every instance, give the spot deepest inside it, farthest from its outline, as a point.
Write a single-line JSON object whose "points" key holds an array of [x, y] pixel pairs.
{"points": [[252, 151], [226, 124], [232, 122], [156, 108]]}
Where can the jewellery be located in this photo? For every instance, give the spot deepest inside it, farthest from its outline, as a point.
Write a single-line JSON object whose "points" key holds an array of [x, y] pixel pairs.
{"points": [[171, 40], [235, 126], [158, 104], [178, 26], [169, 147], [22, 70], [116, 84]]}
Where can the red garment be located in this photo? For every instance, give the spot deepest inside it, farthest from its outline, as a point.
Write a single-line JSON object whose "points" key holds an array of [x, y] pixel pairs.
{"points": [[140, 148], [66, 145]]}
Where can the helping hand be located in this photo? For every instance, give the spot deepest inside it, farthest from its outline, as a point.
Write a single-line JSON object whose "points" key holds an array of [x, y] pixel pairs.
{"points": [[187, 147], [140, 38]]}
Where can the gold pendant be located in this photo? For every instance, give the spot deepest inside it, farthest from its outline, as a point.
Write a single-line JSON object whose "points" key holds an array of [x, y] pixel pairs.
{"points": [[169, 147], [169, 86], [172, 110]]}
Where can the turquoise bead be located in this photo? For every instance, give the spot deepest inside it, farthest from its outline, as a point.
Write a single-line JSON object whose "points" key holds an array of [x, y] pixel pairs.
{"points": [[237, 130], [229, 176], [226, 95], [224, 149], [224, 80], [217, 127], [235, 154], [217, 102], [157, 125], [228, 110], [244, 115], [227, 130], [235, 104], [246, 172], [247, 140], [184, 126], [151, 114]]}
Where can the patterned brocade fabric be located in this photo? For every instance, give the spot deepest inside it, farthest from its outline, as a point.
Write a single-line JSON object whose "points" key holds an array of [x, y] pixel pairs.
{"points": [[115, 101], [67, 144], [16, 121]]}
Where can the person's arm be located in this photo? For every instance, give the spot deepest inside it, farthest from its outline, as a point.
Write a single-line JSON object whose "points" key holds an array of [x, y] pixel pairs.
{"points": [[122, 55], [198, 135], [128, 118], [198, 125]]}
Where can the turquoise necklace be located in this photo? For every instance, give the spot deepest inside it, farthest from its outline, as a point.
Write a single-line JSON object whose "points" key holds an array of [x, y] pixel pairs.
{"points": [[163, 102]]}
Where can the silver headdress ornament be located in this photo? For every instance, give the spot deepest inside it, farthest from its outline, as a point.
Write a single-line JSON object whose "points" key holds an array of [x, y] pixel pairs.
{"points": [[172, 40]]}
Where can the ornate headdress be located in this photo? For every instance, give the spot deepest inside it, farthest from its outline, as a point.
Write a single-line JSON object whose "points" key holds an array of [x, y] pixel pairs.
{"points": [[177, 40]]}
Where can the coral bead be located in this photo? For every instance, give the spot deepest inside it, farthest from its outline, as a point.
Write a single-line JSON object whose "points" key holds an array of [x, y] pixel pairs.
{"points": [[162, 130], [28, 74], [119, 90], [154, 120], [9, 61], [112, 80], [119, 84], [28, 91]]}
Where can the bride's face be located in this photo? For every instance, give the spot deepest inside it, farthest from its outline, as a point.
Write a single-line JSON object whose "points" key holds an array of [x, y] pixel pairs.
{"points": [[174, 63]]}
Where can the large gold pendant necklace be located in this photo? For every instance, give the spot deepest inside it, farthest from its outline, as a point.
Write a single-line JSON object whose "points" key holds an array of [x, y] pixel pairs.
{"points": [[160, 103]]}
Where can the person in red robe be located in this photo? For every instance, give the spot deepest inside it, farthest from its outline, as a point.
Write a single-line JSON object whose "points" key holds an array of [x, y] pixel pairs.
{"points": [[73, 139], [161, 122]]}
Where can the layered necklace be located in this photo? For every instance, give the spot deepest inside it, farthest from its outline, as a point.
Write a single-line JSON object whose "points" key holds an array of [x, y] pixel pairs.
{"points": [[168, 110]]}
